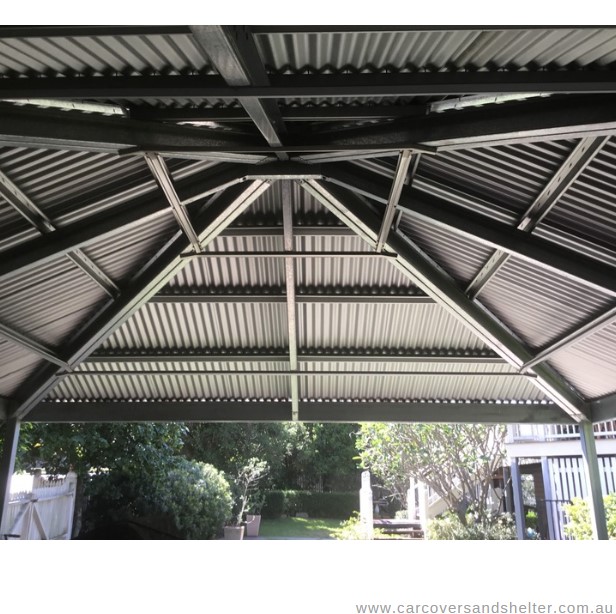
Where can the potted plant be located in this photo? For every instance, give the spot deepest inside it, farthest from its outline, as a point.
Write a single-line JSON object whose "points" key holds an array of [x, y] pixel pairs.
{"points": [[253, 517], [244, 487]]}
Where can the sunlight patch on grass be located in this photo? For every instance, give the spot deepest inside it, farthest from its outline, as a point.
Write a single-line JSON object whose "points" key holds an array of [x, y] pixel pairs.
{"points": [[316, 528]]}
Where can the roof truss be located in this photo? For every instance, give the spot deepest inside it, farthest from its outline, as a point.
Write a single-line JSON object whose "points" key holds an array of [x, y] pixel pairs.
{"points": [[253, 137]]}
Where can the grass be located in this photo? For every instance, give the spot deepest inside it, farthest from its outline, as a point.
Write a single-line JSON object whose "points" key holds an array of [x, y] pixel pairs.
{"points": [[315, 528]]}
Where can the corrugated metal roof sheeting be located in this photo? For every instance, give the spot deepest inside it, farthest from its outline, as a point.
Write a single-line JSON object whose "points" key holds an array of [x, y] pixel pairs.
{"points": [[438, 49], [178, 53], [203, 325], [588, 207], [11, 221], [267, 209], [413, 387], [459, 256], [122, 254], [512, 176], [354, 325], [60, 182], [204, 273], [345, 272], [70, 185], [101, 55], [50, 301], [590, 365], [173, 387], [537, 304], [219, 385], [16, 365]]}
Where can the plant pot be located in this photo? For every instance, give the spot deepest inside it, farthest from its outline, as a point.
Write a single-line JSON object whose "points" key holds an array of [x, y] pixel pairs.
{"points": [[253, 523], [234, 532]]}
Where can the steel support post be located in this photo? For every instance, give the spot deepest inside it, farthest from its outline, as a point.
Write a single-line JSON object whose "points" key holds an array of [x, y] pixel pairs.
{"points": [[593, 481], [7, 466], [507, 491], [518, 499]]}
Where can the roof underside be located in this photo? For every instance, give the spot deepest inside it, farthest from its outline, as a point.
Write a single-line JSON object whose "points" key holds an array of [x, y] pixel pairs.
{"points": [[275, 223]]}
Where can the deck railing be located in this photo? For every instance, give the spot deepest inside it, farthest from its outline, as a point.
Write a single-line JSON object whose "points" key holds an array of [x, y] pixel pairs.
{"points": [[518, 433]]}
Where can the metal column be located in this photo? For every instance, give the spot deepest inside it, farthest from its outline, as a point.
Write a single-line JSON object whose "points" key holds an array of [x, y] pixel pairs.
{"points": [[518, 499], [593, 481], [7, 465], [548, 495]]}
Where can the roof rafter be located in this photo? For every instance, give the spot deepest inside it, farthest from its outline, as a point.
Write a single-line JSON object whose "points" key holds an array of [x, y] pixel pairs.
{"points": [[519, 122], [575, 164], [31, 345], [347, 85], [378, 295], [438, 284], [120, 218], [234, 54], [392, 356], [24, 206], [210, 222], [537, 250], [26, 125]]}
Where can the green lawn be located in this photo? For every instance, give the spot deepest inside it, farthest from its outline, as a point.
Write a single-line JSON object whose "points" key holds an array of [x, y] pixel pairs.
{"points": [[316, 528]]}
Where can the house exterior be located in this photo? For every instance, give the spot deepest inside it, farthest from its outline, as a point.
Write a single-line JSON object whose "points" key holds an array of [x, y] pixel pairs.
{"points": [[549, 459]]}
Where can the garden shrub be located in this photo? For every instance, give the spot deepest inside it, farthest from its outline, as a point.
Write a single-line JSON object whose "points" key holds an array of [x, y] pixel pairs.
{"points": [[194, 497], [492, 527], [198, 498], [578, 515]]}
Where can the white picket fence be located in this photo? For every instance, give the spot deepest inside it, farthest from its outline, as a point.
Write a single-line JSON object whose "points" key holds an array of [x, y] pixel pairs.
{"points": [[44, 512]]}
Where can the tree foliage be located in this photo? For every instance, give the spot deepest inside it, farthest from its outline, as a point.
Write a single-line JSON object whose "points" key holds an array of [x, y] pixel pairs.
{"points": [[292, 451], [578, 518], [128, 452], [457, 461], [94, 448]]}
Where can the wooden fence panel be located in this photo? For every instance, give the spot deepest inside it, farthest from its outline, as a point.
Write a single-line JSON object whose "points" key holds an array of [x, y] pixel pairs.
{"points": [[45, 512]]}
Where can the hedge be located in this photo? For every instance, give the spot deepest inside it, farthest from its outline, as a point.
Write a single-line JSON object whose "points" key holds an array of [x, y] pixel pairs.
{"points": [[315, 504]]}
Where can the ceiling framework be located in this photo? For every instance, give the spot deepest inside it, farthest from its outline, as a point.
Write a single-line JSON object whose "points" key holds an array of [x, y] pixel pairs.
{"points": [[230, 223]]}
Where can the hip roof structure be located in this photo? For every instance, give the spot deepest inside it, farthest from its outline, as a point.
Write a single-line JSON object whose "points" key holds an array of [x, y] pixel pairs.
{"points": [[235, 223]]}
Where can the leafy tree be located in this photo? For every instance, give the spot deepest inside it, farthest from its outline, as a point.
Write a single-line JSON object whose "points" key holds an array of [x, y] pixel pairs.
{"points": [[292, 451], [322, 451], [229, 447], [457, 461]]}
